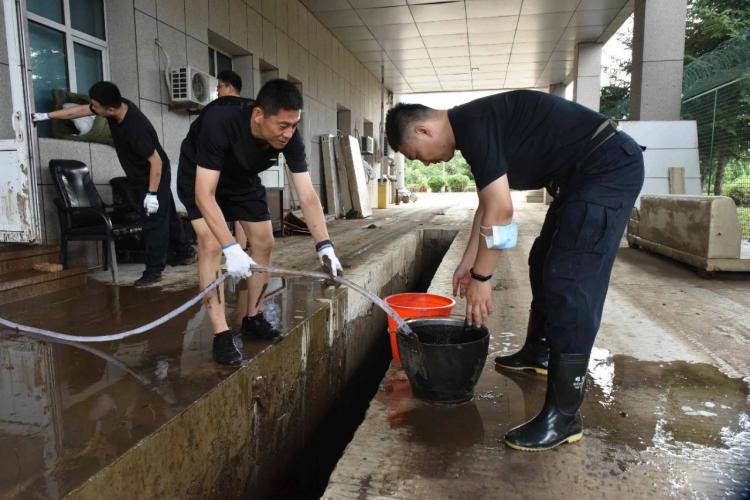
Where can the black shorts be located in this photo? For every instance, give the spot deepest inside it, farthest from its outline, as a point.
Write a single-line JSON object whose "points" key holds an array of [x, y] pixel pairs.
{"points": [[247, 203]]}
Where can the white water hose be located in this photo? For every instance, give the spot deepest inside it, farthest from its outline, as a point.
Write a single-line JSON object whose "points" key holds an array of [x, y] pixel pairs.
{"points": [[187, 305]]}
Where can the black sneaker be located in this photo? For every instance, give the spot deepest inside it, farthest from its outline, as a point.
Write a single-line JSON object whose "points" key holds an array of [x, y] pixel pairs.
{"points": [[225, 349], [147, 279], [257, 327]]}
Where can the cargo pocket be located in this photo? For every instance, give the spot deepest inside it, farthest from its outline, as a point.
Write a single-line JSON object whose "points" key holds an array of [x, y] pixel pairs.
{"points": [[586, 227]]}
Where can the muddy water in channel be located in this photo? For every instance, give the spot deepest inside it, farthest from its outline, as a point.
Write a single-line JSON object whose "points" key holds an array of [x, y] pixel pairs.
{"points": [[67, 410], [675, 429]]}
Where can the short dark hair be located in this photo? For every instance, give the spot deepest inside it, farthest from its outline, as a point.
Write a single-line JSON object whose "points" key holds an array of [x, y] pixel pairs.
{"points": [[230, 77], [107, 94], [279, 94], [399, 118]]}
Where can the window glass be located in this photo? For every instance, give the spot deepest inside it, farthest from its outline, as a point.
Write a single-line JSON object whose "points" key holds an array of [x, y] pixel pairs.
{"points": [[88, 16], [48, 68], [51, 9], [88, 63], [211, 62], [222, 62]]}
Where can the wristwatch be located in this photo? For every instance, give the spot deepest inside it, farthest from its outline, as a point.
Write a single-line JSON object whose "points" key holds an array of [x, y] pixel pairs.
{"points": [[479, 277]]}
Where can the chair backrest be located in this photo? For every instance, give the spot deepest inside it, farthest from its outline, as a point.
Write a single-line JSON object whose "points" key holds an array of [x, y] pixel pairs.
{"points": [[74, 184]]}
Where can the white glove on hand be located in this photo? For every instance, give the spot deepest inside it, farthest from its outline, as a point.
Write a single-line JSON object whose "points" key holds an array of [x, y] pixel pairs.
{"points": [[39, 117], [328, 259], [237, 261], [151, 203]]}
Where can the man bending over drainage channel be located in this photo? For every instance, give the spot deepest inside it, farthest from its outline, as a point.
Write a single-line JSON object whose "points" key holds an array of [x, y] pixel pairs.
{"points": [[227, 146], [529, 140]]}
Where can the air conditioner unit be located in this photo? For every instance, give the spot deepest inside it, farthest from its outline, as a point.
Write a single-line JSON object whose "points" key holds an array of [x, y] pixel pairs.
{"points": [[190, 87]]}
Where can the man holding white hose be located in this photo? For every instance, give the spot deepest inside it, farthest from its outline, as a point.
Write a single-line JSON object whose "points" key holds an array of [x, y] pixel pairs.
{"points": [[229, 144]]}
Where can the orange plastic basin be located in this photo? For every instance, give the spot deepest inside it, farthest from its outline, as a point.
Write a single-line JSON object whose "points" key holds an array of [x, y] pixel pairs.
{"points": [[415, 305]]}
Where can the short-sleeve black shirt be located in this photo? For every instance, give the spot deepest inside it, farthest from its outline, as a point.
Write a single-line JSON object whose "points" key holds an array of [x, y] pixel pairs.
{"points": [[220, 139], [135, 141], [532, 136]]}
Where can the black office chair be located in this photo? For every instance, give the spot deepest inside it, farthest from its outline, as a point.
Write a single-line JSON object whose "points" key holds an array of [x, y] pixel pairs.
{"points": [[82, 213]]}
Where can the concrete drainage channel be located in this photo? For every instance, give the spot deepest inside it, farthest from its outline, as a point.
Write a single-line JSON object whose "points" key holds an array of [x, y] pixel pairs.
{"points": [[276, 427], [307, 477]]}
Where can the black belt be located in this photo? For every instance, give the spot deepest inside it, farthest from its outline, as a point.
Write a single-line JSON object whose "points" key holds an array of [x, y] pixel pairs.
{"points": [[603, 133]]}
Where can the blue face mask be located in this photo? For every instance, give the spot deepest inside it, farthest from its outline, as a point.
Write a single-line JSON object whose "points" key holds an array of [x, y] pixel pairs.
{"points": [[500, 237]]}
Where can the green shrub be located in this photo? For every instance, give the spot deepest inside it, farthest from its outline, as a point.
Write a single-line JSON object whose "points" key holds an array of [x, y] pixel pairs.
{"points": [[436, 184], [471, 187], [413, 177], [739, 192], [457, 182]]}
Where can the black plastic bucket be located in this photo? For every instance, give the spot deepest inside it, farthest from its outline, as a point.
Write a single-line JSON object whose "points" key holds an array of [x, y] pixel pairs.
{"points": [[444, 365]]}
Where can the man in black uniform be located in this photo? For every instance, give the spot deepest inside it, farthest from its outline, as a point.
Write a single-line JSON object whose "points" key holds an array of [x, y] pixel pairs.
{"points": [[146, 165], [229, 144], [529, 140]]}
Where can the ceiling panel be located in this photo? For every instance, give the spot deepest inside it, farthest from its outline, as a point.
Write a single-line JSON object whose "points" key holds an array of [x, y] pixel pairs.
{"points": [[391, 31], [324, 5], [352, 33], [363, 45], [547, 35], [544, 21], [340, 18], [492, 24], [492, 8], [529, 47], [544, 6], [442, 28], [438, 12], [460, 50], [385, 15], [491, 50], [593, 17], [363, 4], [402, 43], [445, 40], [434, 45], [491, 38], [408, 54]]}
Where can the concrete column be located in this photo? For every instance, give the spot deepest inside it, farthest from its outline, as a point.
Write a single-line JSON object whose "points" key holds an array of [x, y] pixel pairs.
{"points": [[401, 171], [658, 52], [557, 89], [588, 88]]}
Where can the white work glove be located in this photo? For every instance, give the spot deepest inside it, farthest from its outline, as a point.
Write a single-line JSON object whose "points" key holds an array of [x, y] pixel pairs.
{"points": [[39, 117], [151, 203], [328, 258], [237, 261]]}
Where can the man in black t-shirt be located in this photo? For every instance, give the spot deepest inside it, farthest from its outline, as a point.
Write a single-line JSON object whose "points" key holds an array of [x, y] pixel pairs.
{"points": [[228, 145], [529, 140], [146, 165]]}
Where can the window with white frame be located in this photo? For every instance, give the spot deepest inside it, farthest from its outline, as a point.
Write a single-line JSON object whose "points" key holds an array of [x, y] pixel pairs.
{"points": [[68, 42], [218, 61]]}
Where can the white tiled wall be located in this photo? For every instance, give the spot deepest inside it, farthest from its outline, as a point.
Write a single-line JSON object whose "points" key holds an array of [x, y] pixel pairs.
{"points": [[281, 32]]}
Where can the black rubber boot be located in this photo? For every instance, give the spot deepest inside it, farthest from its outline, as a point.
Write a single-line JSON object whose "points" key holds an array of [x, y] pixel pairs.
{"points": [[534, 355], [257, 327], [560, 420], [225, 349]]}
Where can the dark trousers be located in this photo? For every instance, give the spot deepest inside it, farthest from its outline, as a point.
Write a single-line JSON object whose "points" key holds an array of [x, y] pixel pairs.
{"points": [[161, 230], [570, 263]]}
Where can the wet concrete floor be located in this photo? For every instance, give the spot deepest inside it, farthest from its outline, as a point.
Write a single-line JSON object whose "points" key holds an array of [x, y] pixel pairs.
{"points": [[667, 411], [68, 410]]}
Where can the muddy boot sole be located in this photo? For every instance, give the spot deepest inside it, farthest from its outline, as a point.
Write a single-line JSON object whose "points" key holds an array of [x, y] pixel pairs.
{"points": [[570, 439], [526, 368]]}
